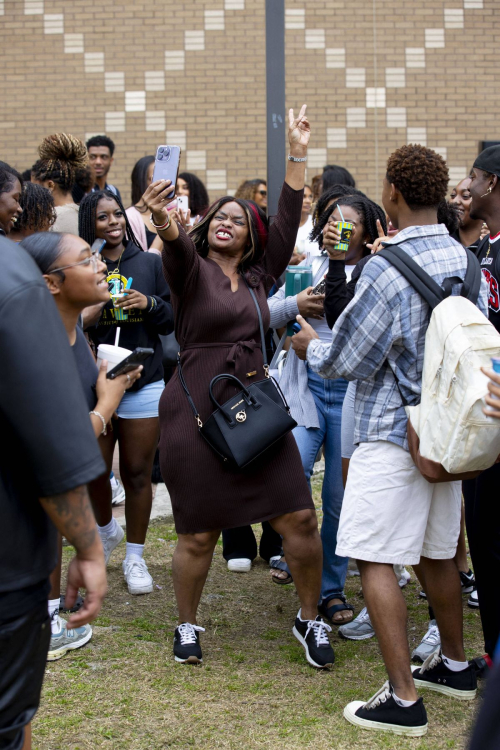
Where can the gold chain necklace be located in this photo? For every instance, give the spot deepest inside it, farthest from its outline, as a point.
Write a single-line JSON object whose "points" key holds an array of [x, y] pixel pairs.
{"points": [[117, 269]]}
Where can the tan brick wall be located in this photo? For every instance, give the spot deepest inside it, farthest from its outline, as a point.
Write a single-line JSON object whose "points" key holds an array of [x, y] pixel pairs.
{"points": [[150, 71]]}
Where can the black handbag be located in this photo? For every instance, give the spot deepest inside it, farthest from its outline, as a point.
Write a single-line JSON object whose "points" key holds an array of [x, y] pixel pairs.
{"points": [[250, 422]]}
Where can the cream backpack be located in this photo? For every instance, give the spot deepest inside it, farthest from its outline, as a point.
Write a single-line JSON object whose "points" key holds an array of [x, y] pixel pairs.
{"points": [[449, 436]]}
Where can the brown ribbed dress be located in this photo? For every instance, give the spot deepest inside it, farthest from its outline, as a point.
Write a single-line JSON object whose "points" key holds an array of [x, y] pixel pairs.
{"points": [[218, 332]]}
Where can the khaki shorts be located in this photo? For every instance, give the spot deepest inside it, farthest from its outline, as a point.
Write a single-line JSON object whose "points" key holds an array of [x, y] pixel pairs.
{"points": [[391, 514]]}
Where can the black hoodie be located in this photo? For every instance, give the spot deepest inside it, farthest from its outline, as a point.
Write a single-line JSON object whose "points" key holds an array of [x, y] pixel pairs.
{"points": [[141, 327]]}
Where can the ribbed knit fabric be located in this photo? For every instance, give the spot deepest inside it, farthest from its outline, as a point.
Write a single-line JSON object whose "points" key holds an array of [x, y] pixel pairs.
{"points": [[218, 332]]}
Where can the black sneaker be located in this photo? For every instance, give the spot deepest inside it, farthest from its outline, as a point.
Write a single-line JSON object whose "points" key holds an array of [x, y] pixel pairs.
{"points": [[382, 714], [435, 675], [468, 581], [313, 635], [187, 649]]}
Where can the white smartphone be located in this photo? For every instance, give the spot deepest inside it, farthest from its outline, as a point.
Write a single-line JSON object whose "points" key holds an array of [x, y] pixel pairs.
{"points": [[183, 202]]}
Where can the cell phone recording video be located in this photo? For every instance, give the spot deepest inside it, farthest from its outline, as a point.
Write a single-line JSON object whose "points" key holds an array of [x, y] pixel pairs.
{"points": [[131, 362], [183, 203], [167, 161]]}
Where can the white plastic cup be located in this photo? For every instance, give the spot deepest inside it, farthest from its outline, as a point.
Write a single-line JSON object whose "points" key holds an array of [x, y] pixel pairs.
{"points": [[114, 355]]}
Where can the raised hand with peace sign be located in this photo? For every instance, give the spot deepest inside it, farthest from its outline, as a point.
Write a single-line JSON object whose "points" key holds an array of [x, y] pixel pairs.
{"points": [[299, 132]]}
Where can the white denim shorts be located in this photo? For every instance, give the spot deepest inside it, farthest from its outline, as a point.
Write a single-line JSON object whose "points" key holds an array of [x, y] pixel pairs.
{"points": [[391, 514]]}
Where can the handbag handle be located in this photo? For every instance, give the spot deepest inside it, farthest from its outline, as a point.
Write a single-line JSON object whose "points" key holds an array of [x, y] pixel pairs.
{"points": [[261, 326], [227, 376]]}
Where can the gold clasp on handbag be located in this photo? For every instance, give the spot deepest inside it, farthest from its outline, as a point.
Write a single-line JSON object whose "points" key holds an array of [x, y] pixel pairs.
{"points": [[198, 420], [266, 371], [241, 416]]}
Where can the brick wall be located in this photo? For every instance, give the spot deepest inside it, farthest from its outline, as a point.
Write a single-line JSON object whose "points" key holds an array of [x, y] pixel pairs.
{"points": [[375, 74]]}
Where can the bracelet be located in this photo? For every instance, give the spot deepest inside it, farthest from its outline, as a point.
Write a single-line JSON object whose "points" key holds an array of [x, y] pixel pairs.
{"points": [[160, 227], [296, 158], [97, 414], [153, 305]]}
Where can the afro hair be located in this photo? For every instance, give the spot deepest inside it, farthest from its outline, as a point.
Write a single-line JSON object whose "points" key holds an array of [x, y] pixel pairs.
{"points": [[420, 175]]}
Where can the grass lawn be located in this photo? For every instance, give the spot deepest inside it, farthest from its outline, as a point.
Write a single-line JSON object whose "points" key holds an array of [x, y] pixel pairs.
{"points": [[255, 688]]}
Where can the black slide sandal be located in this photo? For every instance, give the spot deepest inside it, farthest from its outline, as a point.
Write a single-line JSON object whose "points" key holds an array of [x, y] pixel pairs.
{"points": [[281, 565]]}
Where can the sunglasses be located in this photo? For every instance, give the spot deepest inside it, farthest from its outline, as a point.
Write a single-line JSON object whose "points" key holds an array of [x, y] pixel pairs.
{"points": [[262, 192]]}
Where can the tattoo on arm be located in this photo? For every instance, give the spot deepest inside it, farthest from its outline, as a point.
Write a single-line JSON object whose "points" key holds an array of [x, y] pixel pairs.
{"points": [[71, 512]]}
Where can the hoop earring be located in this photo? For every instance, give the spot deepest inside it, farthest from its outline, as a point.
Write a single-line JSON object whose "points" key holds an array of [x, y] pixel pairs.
{"points": [[488, 192]]}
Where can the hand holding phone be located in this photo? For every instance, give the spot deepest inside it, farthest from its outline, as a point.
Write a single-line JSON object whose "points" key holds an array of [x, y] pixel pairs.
{"points": [[166, 167], [131, 362]]}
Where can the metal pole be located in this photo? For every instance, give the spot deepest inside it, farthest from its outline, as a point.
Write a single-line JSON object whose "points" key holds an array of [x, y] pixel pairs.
{"points": [[275, 93]]}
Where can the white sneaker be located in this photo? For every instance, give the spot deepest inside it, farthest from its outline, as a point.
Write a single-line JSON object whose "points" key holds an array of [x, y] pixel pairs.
{"points": [[117, 492], [239, 565], [137, 575], [402, 575], [110, 541], [430, 642]]}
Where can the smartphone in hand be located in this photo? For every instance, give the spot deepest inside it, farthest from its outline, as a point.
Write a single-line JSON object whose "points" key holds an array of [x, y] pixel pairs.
{"points": [[167, 161], [183, 203], [131, 362]]}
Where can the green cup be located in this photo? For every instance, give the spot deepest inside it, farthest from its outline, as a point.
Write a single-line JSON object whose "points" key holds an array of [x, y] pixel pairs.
{"points": [[120, 314], [297, 279], [345, 228]]}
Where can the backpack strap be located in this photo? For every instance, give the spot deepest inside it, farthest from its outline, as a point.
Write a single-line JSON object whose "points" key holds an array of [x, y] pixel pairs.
{"points": [[416, 276], [425, 284]]}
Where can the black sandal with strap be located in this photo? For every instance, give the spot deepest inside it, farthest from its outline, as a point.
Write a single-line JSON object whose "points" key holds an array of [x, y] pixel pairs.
{"points": [[281, 565], [328, 612]]}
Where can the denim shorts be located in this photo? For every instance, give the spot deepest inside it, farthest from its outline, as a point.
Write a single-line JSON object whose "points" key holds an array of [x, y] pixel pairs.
{"points": [[141, 404]]}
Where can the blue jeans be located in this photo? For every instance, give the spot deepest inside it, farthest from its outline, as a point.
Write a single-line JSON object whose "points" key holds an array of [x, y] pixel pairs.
{"points": [[328, 396]]}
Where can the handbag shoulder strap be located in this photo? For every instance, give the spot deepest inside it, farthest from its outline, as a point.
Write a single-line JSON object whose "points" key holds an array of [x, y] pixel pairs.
{"points": [[261, 326], [186, 391]]}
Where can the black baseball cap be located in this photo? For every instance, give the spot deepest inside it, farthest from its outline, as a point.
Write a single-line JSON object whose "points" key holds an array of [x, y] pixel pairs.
{"points": [[489, 160]]}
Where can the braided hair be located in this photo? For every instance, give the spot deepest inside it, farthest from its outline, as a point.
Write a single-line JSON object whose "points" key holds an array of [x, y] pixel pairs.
{"points": [[87, 216], [367, 209], [38, 209], [61, 155], [336, 191]]}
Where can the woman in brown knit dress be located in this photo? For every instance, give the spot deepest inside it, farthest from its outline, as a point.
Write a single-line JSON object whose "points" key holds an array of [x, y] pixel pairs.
{"points": [[217, 327]]}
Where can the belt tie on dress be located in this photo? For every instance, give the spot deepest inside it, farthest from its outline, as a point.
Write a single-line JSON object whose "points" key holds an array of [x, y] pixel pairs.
{"points": [[240, 355]]}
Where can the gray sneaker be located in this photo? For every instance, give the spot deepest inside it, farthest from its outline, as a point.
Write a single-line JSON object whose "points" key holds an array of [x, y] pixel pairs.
{"points": [[430, 642], [66, 639], [110, 541], [359, 629]]}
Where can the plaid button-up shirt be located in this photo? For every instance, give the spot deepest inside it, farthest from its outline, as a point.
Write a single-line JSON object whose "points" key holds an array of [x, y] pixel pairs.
{"points": [[379, 338]]}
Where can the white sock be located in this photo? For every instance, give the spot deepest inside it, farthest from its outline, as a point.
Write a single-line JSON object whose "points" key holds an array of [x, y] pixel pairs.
{"points": [[53, 612], [108, 529], [455, 666], [402, 703], [135, 550]]}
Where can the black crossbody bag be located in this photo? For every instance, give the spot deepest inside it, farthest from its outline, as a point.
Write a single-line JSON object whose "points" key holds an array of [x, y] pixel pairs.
{"points": [[250, 422]]}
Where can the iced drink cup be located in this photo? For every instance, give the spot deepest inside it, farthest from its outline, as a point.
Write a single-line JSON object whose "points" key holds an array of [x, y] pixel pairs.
{"points": [[119, 313], [345, 228], [114, 355]]}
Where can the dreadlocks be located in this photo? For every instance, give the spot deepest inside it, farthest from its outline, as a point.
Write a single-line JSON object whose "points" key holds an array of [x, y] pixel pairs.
{"points": [[38, 209], [336, 191], [87, 216], [367, 209], [61, 155]]}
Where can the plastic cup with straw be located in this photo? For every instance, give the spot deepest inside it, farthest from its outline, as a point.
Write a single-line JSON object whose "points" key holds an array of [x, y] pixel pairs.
{"points": [[345, 228]]}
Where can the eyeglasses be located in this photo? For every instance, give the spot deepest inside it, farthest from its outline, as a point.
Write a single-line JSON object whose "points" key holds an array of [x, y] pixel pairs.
{"points": [[262, 192], [94, 259]]}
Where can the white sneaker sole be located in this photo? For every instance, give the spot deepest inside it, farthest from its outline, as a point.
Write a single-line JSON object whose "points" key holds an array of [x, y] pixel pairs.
{"points": [[60, 652], [239, 565], [138, 590], [377, 726], [461, 695], [189, 660], [356, 637], [306, 649]]}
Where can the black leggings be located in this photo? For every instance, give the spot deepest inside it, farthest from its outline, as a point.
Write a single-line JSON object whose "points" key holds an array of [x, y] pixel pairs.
{"points": [[482, 520], [241, 542]]}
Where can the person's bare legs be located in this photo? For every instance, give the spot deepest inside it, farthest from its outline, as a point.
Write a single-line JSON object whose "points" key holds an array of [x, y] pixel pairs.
{"points": [[138, 440], [27, 737], [190, 565], [461, 553], [444, 592], [388, 615], [345, 470], [100, 488], [304, 555]]}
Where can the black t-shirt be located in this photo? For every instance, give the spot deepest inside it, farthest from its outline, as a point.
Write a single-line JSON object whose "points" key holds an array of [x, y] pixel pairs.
{"points": [[49, 446], [87, 367], [488, 253]]}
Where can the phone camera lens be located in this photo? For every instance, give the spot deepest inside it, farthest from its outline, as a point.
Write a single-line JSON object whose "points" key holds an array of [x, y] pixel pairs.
{"points": [[167, 152]]}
